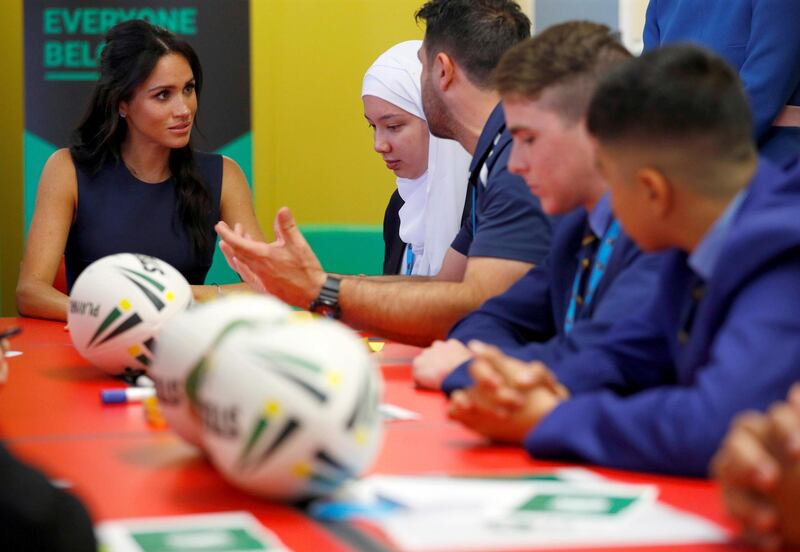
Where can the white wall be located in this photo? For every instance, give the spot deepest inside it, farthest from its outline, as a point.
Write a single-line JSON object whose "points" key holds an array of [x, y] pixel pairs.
{"points": [[627, 16]]}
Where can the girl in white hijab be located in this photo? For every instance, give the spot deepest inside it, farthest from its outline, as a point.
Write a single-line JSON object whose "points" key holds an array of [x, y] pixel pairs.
{"points": [[431, 172]]}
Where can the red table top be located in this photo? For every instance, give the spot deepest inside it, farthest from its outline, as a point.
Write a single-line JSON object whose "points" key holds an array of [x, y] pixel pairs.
{"points": [[52, 417]]}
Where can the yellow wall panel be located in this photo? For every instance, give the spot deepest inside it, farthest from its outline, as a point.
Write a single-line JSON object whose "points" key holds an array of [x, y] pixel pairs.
{"points": [[11, 124], [312, 147]]}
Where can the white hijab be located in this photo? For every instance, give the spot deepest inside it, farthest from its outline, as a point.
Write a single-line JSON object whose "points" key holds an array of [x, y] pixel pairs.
{"points": [[434, 202]]}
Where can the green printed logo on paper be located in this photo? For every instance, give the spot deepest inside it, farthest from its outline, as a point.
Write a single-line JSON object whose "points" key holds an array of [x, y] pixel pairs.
{"points": [[578, 504], [220, 540]]}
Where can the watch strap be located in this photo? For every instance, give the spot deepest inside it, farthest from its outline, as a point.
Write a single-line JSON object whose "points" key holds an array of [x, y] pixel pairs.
{"points": [[328, 298]]}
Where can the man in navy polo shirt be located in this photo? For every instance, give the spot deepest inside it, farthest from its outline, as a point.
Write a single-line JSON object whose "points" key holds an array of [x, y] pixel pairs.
{"points": [[594, 274], [504, 235]]}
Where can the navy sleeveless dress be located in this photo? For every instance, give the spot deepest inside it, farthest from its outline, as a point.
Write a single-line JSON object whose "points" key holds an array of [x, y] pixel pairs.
{"points": [[118, 213]]}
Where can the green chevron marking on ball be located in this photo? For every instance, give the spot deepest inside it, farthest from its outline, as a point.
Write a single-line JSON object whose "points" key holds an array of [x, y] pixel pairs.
{"points": [[258, 430], [129, 323], [155, 283], [150, 345], [113, 315], [332, 463], [271, 410], [316, 393], [284, 364], [194, 379], [291, 426], [284, 358], [365, 402], [157, 303]]}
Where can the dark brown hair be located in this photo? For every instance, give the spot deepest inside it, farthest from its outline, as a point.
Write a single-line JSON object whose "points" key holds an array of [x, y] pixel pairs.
{"points": [[132, 50], [570, 56], [475, 33], [682, 94]]}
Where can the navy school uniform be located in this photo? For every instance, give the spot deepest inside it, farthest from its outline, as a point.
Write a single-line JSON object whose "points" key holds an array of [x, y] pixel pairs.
{"points": [[653, 397], [505, 220], [759, 39], [528, 321]]}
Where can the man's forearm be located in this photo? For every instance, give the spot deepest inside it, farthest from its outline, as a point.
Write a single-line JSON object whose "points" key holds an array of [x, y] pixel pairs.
{"points": [[409, 310], [389, 278]]}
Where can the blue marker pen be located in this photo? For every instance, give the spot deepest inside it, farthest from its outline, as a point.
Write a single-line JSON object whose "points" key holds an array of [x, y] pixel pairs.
{"points": [[127, 395]]}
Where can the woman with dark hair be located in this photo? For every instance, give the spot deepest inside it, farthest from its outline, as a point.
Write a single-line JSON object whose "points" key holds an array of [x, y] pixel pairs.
{"points": [[130, 181]]}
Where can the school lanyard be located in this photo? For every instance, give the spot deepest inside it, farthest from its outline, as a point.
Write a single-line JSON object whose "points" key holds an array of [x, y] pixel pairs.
{"points": [[605, 249], [409, 260], [474, 208]]}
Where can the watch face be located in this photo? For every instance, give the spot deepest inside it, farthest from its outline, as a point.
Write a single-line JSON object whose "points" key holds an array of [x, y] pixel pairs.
{"points": [[328, 311], [325, 309]]}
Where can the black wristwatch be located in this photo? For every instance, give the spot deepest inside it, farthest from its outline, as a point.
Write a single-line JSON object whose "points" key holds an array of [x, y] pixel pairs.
{"points": [[327, 303]]}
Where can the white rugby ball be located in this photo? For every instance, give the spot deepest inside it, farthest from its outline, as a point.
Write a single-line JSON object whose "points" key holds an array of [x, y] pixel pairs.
{"points": [[117, 307], [184, 345], [291, 412]]}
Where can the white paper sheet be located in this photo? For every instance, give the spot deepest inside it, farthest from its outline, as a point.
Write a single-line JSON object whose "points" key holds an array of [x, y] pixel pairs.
{"points": [[574, 508]]}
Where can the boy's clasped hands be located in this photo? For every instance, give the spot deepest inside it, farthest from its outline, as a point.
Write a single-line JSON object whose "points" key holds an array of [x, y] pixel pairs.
{"points": [[509, 397]]}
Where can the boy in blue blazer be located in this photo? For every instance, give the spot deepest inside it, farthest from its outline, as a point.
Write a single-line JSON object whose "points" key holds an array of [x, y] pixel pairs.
{"points": [[594, 274], [759, 39], [721, 333]]}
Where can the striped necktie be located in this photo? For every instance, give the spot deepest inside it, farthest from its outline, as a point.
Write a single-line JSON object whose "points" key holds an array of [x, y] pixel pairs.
{"points": [[697, 289], [586, 255]]}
